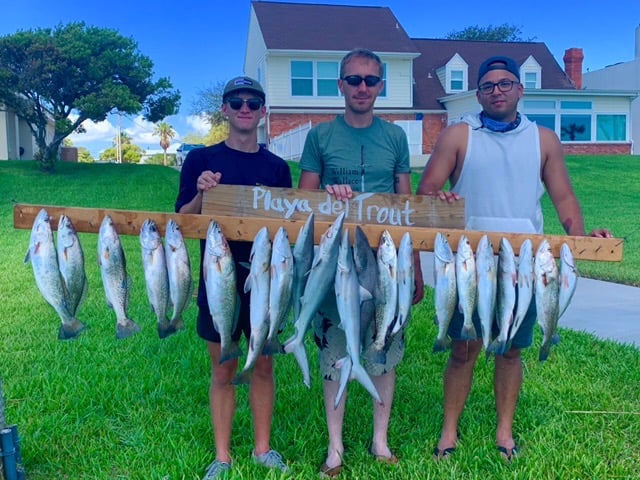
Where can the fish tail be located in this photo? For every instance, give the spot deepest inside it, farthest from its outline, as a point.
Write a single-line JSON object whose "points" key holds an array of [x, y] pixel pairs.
{"points": [[271, 347], [360, 374], [71, 329], [468, 332], [126, 329], [345, 374], [165, 329], [300, 354], [229, 352], [243, 378], [544, 352], [498, 346], [178, 323], [441, 344]]}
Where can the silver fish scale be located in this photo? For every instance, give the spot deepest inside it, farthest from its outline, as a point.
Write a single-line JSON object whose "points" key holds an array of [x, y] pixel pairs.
{"points": [[446, 293], [546, 296], [154, 265], [71, 263], [179, 272]]}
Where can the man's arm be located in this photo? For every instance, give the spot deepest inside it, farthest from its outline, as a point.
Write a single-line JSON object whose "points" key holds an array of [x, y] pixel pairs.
{"points": [[444, 162], [556, 180]]}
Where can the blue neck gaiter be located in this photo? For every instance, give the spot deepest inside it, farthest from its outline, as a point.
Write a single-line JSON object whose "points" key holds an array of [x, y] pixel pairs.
{"points": [[496, 126]]}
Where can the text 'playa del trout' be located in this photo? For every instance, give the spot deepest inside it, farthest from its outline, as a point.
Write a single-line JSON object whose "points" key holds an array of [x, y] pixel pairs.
{"points": [[266, 200]]}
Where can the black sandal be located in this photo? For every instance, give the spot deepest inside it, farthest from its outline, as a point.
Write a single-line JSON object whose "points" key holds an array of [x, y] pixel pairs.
{"points": [[508, 453], [443, 454]]}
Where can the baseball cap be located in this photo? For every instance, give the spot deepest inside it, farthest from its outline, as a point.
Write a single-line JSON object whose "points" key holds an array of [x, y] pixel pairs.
{"points": [[243, 84], [499, 63]]}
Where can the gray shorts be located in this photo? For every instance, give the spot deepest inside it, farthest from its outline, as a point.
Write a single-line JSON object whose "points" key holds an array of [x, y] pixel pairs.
{"points": [[331, 341]]}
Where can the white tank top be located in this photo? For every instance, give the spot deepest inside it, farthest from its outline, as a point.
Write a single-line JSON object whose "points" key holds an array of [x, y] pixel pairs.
{"points": [[500, 178]]}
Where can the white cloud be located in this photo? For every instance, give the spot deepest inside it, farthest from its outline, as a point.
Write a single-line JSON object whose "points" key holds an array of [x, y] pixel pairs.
{"points": [[101, 131], [199, 123]]}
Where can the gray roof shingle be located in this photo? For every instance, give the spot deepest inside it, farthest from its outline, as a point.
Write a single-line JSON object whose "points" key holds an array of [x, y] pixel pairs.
{"points": [[322, 27]]}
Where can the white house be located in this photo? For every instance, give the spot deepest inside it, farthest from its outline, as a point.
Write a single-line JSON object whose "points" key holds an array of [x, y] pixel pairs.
{"points": [[621, 76]]}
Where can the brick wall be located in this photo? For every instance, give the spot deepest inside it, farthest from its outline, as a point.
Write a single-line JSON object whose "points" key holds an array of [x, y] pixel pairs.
{"points": [[596, 148], [432, 125]]}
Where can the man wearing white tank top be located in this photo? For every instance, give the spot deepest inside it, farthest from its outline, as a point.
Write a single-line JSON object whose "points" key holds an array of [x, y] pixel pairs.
{"points": [[500, 163]]}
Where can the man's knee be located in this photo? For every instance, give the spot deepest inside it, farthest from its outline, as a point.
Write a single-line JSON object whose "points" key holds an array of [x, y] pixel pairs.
{"points": [[464, 352]]}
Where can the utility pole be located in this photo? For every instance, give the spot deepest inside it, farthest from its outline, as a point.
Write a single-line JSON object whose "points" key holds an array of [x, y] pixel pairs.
{"points": [[119, 139]]}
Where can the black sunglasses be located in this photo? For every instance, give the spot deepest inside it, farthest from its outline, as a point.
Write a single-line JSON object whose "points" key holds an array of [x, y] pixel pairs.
{"points": [[253, 103], [356, 80]]}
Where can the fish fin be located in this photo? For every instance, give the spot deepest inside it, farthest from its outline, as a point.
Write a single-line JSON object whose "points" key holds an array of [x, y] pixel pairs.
{"points": [[498, 347], [166, 329], [243, 378], [360, 374], [271, 347], [71, 330], [126, 329], [544, 352], [468, 333], [555, 339], [229, 352], [345, 365], [247, 284], [300, 354], [246, 265], [27, 257], [365, 294], [442, 345]]}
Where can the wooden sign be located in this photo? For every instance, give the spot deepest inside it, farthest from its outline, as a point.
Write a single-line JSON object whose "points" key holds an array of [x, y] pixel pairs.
{"points": [[129, 222], [363, 208]]}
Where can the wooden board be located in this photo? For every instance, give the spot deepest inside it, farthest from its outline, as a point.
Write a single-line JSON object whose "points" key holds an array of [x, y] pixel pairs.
{"points": [[128, 222], [363, 208]]}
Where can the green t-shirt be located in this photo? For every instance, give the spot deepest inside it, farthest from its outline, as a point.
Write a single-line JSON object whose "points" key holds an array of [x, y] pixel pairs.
{"points": [[368, 159]]}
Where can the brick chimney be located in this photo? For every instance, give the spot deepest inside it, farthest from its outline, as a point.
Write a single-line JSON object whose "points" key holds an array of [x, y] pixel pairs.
{"points": [[573, 65]]}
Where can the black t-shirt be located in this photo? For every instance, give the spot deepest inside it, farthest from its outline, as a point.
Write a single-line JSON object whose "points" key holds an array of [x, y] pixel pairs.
{"points": [[237, 168]]}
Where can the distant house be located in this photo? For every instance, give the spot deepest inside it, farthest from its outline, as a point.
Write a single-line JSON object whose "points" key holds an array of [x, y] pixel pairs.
{"points": [[16, 140], [623, 76], [294, 50]]}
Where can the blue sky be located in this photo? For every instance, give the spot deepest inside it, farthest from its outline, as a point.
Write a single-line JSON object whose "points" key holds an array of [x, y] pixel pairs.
{"points": [[200, 42]]}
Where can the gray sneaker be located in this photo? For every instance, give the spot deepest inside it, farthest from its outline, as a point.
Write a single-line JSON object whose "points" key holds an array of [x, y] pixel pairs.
{"points": [[216, 470], [270, 459]]}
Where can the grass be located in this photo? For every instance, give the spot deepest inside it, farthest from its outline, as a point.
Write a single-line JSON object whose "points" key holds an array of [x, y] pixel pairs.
{"points": [[97, 408]]}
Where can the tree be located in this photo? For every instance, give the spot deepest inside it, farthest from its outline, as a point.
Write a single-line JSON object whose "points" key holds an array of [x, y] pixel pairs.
{"points": [[84, 155], [499, 33], [48, 74], [130, 153], [166, 133], [209, 103]]}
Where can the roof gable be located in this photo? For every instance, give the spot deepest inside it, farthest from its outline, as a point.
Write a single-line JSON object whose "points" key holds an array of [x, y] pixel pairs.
{"points": [[300, 26], [435, 53]]}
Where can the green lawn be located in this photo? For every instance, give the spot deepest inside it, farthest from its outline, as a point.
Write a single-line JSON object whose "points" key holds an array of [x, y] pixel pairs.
{"points": [[97, 408]]}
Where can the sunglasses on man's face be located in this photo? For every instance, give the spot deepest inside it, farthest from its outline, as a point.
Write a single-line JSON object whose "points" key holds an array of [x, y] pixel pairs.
{"points": [[253, 103], [356, 80]]}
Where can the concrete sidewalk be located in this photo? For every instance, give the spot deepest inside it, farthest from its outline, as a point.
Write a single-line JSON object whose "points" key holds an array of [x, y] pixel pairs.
{"points": [[607, 310]]}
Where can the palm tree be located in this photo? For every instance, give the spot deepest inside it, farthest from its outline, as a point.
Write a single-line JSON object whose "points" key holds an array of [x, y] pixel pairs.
{"points": [[166, 133]]}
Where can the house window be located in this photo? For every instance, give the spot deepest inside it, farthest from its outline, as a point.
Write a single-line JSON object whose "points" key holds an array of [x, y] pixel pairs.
{"points": [[573, 105], [327, 85], [546, 120], [457, 80], [301, 78], [530, 80], [575, 128], [611, 128]]}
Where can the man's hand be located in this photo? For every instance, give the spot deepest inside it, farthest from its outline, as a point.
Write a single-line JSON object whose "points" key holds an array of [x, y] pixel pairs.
{"points": [[601, 233], [447, 196], [208, 180], [340, 192]]}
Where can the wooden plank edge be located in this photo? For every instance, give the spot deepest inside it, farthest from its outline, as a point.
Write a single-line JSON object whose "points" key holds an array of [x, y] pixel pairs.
{"points": [[128, 222]]}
